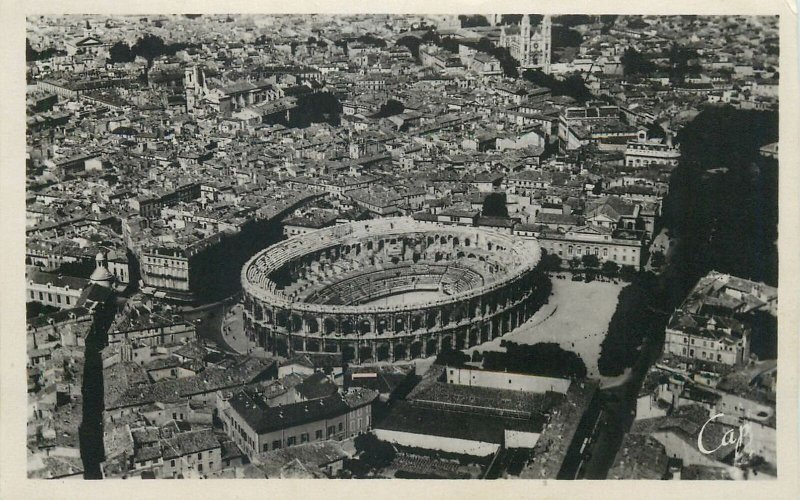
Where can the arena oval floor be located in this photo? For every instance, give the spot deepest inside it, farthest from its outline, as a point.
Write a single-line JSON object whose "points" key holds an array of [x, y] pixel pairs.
{"points": [[388, 289]]}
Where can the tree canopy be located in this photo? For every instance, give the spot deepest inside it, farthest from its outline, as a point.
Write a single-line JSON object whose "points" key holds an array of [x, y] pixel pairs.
{"points": [[572, 86], [494, 205], [390, 108], [545, 359], [473, 21], [723, 198], [635, 63]]}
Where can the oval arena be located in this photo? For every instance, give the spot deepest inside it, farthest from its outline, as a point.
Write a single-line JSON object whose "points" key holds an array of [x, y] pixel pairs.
{"points": [[388, 289]]}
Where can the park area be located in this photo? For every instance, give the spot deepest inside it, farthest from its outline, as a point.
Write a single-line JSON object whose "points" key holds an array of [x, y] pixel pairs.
{"points": [[576, 318]]}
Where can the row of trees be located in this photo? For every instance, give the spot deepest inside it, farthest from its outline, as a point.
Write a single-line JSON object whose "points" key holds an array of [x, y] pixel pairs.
{"points": [[680, 61], [148, 47], [553, 263], [546, 359]]}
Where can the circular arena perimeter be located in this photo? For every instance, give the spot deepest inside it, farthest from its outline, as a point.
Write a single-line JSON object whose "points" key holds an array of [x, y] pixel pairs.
{"points": [[388, 290]]}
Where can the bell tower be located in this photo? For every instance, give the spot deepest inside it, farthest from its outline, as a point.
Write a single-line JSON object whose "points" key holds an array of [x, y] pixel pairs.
{"points": [[545, 47]]}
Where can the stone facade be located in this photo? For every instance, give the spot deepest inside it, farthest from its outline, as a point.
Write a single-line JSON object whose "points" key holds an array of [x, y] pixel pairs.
{"points": [[312, 293]]}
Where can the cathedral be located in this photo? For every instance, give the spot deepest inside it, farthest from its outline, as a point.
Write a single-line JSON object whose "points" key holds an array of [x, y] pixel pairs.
{"points": [[531, 47]]}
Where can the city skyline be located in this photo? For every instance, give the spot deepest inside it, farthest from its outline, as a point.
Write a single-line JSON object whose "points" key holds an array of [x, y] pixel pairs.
{"points": [[477, 246]]}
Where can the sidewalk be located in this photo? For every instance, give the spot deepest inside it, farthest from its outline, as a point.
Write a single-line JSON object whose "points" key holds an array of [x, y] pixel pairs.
{"points": [[233, 329]]}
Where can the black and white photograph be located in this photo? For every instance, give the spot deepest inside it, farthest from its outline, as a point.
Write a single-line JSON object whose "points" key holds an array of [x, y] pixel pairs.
{"points": [[402, 246]]}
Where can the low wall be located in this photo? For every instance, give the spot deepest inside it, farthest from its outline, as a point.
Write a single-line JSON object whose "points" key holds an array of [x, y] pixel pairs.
{"points": [[504, 380], [446, 444]]}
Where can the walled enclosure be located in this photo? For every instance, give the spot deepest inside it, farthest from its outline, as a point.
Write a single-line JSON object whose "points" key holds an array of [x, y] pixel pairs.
{"points": [[312, 292]]}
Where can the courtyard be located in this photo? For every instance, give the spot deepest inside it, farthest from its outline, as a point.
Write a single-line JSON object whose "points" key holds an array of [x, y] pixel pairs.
{"points": [[576, 318]]}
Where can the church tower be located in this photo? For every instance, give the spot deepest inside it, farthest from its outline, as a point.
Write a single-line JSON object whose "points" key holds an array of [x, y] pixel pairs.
{"points": [[525, 40], [193, 86], [547, 39]]}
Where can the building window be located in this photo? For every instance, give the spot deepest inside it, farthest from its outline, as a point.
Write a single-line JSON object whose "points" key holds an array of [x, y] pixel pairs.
{"points": [[291, 441], [172, 463], [304, 437], [341, 426], [318, 434], [276, 445], [331, 431], [67, 298], [605, 252], [199, 467], [265, 447], [200, 456]]}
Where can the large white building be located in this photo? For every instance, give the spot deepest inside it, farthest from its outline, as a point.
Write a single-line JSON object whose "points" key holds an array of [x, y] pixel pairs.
{"points": [[532, 48], [644, 152]]}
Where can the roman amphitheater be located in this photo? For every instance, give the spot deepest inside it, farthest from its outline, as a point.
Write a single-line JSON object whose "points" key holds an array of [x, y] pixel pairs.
{"points": [[388, 289]]}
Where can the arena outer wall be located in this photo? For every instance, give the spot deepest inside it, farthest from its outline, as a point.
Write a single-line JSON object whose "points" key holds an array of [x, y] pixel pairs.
{"points": [[303, 294]]}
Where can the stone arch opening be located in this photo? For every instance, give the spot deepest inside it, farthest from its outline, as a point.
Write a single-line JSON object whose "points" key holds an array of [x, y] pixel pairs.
{"points": [[281, 347], [348, 353], [330, 325], [416, 349], [430, 346], [474, 337], [445, 317], [447, 343], [296, 323], [281, 318], [430, 319], [399, 352], [364, 326], [347, 326], [382, 353]]}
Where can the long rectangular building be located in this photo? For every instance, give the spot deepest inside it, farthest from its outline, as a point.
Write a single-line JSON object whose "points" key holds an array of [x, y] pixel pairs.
{"points": [[256, 427]]}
